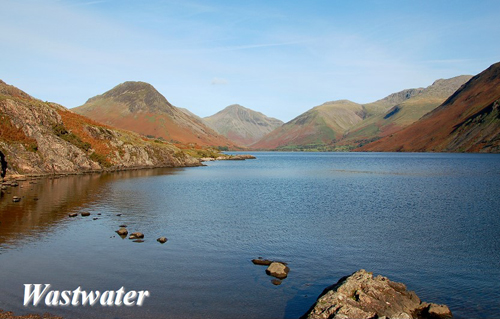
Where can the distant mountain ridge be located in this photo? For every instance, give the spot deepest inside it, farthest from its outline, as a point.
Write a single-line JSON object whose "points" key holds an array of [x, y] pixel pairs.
{"points": [[241, 125], [404, 112], [315, 128], [139, 107], [344, 125], [468, 121]]}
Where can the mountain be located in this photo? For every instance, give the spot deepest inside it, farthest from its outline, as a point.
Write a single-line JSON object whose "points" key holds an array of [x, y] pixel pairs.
{"points": [[40, 137], [381, 106], [139, 107], [188, 112], [468, 121], [315, 128], [401, 109], [345, 125], [241, 125]]}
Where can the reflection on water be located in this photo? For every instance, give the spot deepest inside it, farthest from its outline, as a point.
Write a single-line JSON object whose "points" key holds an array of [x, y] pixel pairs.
{"points": [[46, 202]]}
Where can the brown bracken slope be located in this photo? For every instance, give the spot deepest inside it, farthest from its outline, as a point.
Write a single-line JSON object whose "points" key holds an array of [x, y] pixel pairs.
{"points": [[139, 107], [468, 121]]}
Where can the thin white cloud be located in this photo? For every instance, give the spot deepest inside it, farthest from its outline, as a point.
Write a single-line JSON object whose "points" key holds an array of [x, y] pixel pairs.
{"points": [[219, 81]]}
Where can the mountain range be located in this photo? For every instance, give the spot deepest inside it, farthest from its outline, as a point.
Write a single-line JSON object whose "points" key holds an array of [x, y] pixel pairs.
{"points": [[345, 125], [139, 107], [461, 114]]}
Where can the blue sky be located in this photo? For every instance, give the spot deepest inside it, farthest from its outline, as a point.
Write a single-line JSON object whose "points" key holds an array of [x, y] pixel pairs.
{"points": [[277, 57]]}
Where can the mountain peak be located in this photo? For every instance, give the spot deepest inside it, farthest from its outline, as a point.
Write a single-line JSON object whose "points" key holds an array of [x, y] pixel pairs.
{"points": [[137, 96], [139, 107], [241, 125]]}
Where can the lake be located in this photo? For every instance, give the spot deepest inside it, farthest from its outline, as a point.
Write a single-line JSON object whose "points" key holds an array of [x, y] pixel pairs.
{"points": [[431, 221]]}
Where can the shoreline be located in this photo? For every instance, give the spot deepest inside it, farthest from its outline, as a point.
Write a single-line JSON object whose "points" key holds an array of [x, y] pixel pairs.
{"points": [[23, 177]]}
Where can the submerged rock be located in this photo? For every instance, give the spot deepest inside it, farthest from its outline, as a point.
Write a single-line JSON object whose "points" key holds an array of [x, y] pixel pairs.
{"points": [[278, 270], [276, 282], [261, 261], [362, 296], [16, 199], [162, 240], [136, 235], [122, 231]]}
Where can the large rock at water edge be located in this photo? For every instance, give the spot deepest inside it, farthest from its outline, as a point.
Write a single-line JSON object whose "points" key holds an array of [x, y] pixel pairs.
{"points": [[362, 296], [278, 270]]}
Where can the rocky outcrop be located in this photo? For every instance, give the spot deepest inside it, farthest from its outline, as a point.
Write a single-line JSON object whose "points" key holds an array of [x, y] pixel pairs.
{"points": [[45, 138], [235, 157], [363, 296]]}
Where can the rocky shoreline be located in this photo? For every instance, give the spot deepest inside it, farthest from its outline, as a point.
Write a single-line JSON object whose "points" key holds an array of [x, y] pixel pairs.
{"points": [[197, 163]]}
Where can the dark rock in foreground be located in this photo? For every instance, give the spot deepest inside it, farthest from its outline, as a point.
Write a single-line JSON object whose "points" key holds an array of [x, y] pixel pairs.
{"points": [[362, 296]]}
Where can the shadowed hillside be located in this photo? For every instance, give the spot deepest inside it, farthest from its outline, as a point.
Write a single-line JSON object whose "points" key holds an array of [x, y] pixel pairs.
{"points": [[468, 121]]}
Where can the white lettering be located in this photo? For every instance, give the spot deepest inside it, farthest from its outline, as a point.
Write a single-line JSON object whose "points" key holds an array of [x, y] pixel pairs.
{"points": [[129, 299], [36, 295], [107, 298], [66, 296], [76, 296], [119, 296], [52, 298], [86, 297], [142, 295]]}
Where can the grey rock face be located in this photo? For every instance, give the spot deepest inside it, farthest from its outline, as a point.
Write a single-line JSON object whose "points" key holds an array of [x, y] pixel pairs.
{"points": [[363, 296]]}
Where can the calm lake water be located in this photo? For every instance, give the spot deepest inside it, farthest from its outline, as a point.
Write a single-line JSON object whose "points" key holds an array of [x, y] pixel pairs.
{"points": [[431, 221]]}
